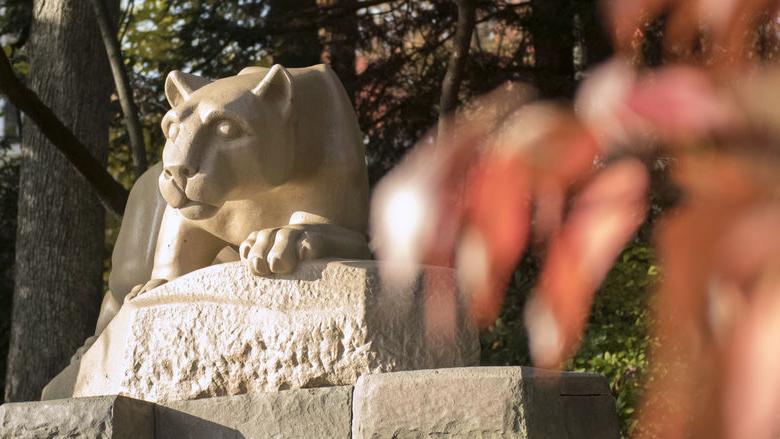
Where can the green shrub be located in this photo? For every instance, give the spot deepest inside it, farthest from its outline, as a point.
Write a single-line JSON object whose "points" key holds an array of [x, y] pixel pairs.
{"points": [[616, 341]]}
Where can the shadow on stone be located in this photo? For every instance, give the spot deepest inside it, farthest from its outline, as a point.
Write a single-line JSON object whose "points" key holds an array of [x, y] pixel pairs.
{"points": [[173, 424], [298, 413]]}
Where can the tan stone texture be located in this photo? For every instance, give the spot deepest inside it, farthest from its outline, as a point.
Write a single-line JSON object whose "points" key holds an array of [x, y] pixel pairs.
{"points": [[475, 402], [297, 413], [506, 402], [224, 331], [101, 417]]}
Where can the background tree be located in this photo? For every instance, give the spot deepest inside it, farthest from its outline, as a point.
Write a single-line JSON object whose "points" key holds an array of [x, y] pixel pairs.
{"points": [[552, 29], [14, 28], [341, 35], [297, 42], [9, 191], [122, 84], [450, 87], [593, 35], [58, 277]]}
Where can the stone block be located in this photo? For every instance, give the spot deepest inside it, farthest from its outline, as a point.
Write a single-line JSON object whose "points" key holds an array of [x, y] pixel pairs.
{"points": [[514, 402], [99, 417], [507, 402], [299, 413], [223, 331]]}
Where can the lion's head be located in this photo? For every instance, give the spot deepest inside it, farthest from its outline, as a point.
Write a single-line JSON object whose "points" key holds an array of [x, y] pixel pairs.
{"points": [[226, 139]]}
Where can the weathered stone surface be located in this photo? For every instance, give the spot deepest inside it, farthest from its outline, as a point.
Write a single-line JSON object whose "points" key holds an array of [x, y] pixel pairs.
{"points": [[461, 402], [299, 413], [224, 331], [484, 402], [99, 417]]}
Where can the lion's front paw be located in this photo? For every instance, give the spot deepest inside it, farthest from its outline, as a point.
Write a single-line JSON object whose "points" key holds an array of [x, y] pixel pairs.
{"points": [[278, 250], [142, 288]]}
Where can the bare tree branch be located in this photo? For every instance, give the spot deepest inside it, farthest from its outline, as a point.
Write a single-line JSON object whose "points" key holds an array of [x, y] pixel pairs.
{"points": [[455, 67], [112, 194], [122, 83]]}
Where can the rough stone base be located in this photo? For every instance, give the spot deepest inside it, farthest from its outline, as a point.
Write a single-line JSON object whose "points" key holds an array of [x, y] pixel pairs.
{"points": [[223, 331], [300, 413], [514, 402], [505, 402], [100, 417]]}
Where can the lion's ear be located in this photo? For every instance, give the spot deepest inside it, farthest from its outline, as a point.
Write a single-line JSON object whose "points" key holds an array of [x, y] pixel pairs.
{"points": [[277, 86], [179, 86]]}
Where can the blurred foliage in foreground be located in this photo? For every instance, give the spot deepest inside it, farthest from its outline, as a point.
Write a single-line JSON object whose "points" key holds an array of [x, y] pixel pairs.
{"points": [[527, 178], [617, 337]]}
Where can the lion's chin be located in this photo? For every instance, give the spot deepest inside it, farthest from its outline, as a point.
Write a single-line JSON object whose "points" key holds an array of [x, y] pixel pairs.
{"points": [[197, 211]]}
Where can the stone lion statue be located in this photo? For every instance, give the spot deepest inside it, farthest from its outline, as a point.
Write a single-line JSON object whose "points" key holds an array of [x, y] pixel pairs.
{"points": [[269, 162], [267, 166]]}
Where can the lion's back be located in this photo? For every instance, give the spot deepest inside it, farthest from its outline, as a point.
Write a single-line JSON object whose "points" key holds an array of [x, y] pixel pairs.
{"points": [[324, 114], [133, 256]]}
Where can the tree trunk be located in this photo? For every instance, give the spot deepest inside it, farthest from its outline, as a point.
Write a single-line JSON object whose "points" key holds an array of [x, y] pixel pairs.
{"points": [[597, 43], [341, 37], [301, 48], [112, 194], [450, 87], [552, 27], [59, 245], [122, 83]]}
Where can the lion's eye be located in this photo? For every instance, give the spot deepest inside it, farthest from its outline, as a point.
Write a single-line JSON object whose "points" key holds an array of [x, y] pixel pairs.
{"points": [[227, 128], [173, 131]]}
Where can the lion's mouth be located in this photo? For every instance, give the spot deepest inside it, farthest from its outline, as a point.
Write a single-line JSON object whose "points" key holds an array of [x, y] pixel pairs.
{"points": [[177, 198], [197, 210], [191, 203]]}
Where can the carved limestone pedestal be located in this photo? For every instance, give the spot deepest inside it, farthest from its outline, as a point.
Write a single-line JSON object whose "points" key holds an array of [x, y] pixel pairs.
{"points": [[506, 402], [224, 331]]}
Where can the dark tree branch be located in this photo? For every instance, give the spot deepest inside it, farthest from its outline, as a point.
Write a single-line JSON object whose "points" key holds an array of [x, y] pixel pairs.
{"points": [[122, 83], [340, 43], [552, 32], [111, 194], [339, 10], [455, 67], [318, 16]]}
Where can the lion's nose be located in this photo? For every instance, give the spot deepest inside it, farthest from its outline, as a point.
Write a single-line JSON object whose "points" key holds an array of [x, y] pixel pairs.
{"points": [[179, 174]]}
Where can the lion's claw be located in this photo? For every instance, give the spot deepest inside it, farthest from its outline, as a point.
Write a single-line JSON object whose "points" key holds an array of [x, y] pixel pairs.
{"points": [[276, 250], [143, 288]]}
